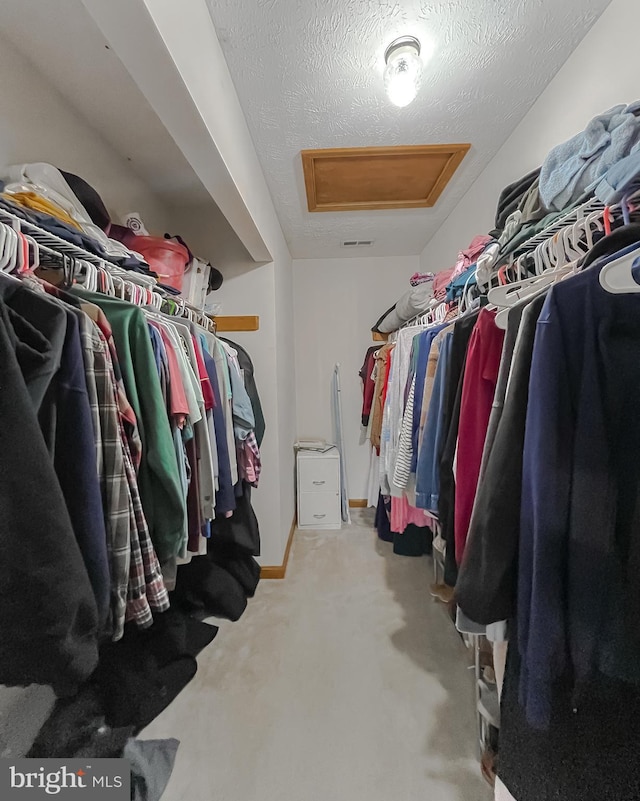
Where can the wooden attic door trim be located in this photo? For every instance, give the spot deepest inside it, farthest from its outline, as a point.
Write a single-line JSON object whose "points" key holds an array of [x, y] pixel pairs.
{"points": [[310, 157]]}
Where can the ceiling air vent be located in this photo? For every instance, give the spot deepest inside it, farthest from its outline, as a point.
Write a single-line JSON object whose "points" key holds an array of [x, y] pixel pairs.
{"points": [[356, 243]]}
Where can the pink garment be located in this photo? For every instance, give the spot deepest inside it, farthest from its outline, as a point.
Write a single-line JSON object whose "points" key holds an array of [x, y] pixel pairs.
{"points": [[440, 283], [469, 256], [177, 395], [403, 514]]}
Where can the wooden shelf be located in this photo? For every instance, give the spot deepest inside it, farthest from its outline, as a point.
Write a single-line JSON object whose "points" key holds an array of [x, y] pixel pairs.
{"points": [[237, 323]]}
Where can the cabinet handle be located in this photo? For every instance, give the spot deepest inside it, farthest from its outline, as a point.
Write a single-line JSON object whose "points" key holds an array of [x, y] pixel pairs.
{"points": [[318, 483], [319, 517]]}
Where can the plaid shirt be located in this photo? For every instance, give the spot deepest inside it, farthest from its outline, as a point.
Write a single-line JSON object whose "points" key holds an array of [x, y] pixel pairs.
{"points": [[113, 478], [249, 462], [136, 579], [146, 586]]}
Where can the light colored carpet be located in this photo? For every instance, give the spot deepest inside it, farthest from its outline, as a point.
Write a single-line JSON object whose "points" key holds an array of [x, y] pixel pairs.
{"points": [[344, 682]]}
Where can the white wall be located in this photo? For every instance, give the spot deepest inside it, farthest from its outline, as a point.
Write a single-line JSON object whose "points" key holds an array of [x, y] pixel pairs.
{"points": [[600, 73], [336, 303], [40, 125]]}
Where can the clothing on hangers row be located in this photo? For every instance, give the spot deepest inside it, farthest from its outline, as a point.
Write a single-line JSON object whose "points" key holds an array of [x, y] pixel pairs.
{"points": [[129, 438], [514, 429]]}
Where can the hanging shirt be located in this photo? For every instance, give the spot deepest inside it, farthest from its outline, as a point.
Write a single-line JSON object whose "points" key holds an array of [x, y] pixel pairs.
{"points": [[243, 418], [224, 383], [125, 410], [225, 497], [402, 469], [368, 384], [487, 581], [394, 410], [203, 443], [432, 366], [423, 351], [249, 463], [159, 479], [382, 358], [246, 368], [450, 423], [480, 377], [428, 465], [179, 406]]}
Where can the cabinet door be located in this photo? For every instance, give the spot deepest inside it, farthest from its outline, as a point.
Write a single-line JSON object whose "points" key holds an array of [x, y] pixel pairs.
{"points": [[319, 475], [319, 510]]}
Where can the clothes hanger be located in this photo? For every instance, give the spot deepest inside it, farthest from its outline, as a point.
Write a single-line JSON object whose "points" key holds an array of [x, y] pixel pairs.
{"points": [[22, 254], [3, 239], [622, 275], [596, 219], [508, 295], [546, 255], [463, 306], [34, 253], [157, 301], [570, 251], [9, 250]]}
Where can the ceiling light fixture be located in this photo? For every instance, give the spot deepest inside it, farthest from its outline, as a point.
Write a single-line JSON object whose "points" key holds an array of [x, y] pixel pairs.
{"points": [[403, 71]]}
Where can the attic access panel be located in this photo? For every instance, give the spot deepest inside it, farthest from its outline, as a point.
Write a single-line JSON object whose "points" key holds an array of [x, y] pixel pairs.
{"points": [[369, 178]]}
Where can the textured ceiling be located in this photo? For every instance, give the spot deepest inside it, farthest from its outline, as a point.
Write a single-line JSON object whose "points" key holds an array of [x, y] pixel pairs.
{"points": [[309, 75]]}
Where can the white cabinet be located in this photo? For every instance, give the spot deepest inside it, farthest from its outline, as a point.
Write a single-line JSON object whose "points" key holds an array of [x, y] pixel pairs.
{"points": [[319, 489]]}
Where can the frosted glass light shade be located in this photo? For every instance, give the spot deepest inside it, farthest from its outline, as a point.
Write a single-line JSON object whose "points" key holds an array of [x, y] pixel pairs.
{"points": [[403, 72]]}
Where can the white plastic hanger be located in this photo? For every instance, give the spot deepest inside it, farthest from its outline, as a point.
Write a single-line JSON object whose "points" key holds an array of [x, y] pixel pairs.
{"points": [[593, 220], [35, 251], [4, 233], [617, 278], [10, 246], [507, 296], [571, 253], [463, 306]]}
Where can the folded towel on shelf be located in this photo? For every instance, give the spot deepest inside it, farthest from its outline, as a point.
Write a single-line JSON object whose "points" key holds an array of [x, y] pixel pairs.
{"points": [[621, 180], [570, 168]]}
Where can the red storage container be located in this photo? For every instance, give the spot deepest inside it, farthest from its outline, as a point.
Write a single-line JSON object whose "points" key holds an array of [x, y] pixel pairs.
{"points": [[166, 258]]}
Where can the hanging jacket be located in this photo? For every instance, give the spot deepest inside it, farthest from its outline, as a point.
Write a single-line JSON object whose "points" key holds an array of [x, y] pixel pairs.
{"points": [[246, 365], [578, 597], [48, 617]]}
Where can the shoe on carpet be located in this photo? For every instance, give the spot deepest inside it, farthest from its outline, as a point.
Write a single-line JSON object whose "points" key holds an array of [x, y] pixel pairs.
{"points": [[442, 592], [488, 766]]}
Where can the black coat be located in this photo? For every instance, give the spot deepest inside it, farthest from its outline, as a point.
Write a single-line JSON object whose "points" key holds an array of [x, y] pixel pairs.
{"points": [[246, 365], [48, 616]]}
